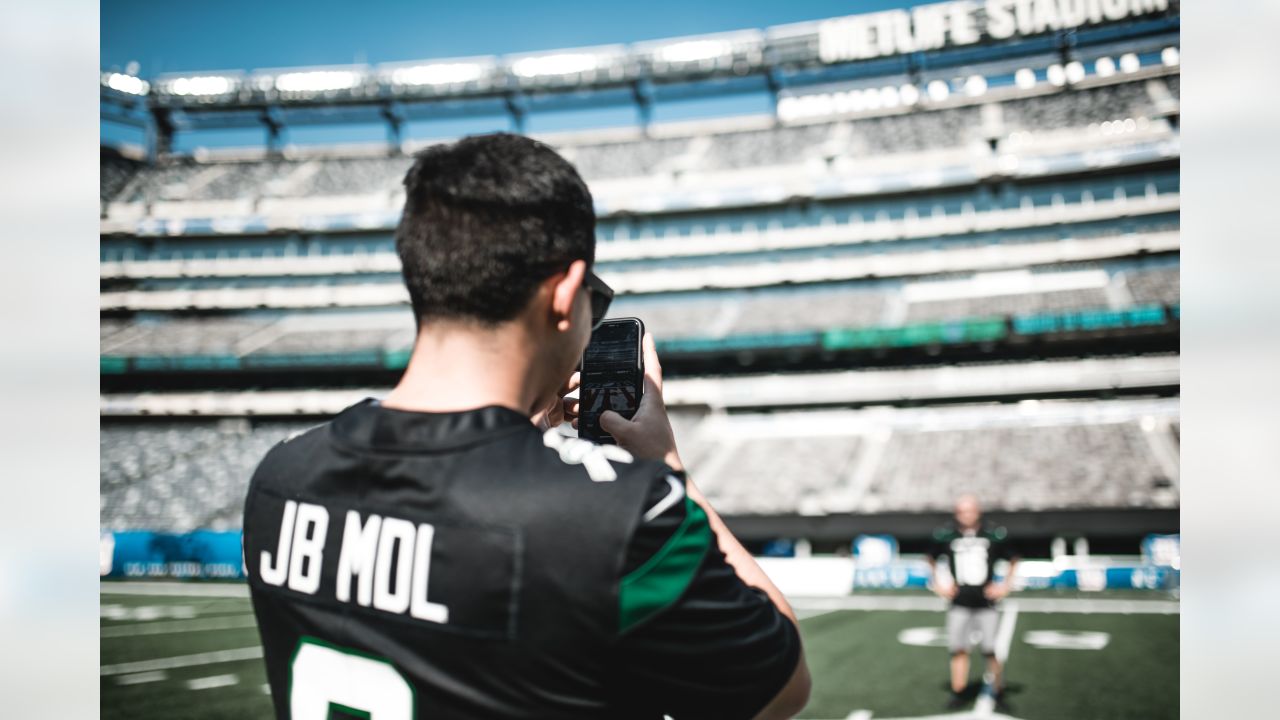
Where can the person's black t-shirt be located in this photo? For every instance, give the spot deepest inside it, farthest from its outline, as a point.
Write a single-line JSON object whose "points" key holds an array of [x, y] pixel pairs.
{"points": [[971, 557], [466, 565]]}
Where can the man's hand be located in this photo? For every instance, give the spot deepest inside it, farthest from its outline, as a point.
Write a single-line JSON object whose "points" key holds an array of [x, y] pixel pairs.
{"points": [[648, 433], [996, 591], [561, 408], [946, 591]]}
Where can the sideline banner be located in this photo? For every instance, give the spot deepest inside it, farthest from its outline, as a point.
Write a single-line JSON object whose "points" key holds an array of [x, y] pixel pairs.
{"points": [[199, 554]]}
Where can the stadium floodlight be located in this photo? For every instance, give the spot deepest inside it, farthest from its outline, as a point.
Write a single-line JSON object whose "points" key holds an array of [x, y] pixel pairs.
{"points": [[198, 85], [889, 96], [938, 90], [975, 85], [909, 93], [556, 64], [1074, 71], [738, 49], [1104, 66], [1129, 63], [1170, 56], [1057, 76], [127, 84], [437, 74], [694, 51], [1025, 78], [317, 81]]}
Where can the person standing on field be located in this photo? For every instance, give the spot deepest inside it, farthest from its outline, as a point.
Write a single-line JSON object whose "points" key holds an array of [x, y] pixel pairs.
{"points": [[971, 548]]}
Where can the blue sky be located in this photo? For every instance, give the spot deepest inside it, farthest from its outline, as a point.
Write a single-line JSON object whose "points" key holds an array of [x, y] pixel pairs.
{"points": [[181, 36]]}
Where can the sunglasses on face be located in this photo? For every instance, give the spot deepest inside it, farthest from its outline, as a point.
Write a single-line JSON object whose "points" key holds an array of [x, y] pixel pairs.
{"points": [[601, 295]]}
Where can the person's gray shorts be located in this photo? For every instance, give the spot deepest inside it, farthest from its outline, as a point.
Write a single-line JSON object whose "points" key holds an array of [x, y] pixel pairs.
{"points": [[965, 622]]}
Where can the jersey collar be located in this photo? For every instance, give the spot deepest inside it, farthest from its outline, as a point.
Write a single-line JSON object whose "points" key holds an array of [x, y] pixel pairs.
{"points": [[368, 424]]}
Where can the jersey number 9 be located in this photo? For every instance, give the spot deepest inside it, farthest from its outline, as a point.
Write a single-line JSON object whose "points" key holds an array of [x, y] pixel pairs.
{"points": [[324, 677]]}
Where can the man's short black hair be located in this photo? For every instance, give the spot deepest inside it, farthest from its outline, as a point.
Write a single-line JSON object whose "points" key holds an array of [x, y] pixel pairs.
{"points": [[486, 219]]}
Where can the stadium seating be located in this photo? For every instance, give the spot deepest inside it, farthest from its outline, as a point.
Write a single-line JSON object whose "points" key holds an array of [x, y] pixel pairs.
{"points": [[1001, 305], [1028, 468], [1078, 108], [1153, 286], [178, 476], [668, 315], [167, 475], [193, 336], [779, 475], [181, 178], [114, 172], [623, 159]]}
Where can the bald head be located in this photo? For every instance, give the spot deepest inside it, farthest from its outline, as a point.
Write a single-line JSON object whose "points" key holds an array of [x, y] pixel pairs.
{"points": [[968, 513]]}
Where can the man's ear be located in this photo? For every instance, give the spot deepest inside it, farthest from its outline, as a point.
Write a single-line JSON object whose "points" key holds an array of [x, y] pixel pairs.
{"points": [[564, 291]]}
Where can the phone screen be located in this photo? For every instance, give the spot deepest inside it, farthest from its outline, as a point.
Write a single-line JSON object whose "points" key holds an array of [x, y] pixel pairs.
{"points": [[612, 375]]}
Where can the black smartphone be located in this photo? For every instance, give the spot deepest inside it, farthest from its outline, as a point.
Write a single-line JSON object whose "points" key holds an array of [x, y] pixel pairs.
{"points": [[612, 376]]}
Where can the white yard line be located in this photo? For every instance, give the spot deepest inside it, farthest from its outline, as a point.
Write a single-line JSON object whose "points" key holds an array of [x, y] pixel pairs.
{"points": [[1004, 633], [173, 589], [213, 681], [859, 715], [233, 622], [143, 677], [205, 658]]}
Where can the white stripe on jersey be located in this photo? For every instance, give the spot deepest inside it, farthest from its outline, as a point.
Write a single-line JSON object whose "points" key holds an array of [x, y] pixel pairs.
{"points": [[673, 497]]}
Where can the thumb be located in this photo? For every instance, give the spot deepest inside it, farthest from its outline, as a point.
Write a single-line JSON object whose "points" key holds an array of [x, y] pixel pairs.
{"points": [[614, 424]]}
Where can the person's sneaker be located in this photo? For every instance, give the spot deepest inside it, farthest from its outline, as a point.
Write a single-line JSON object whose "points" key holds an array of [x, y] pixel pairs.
{"points": [[1001, 705], [955, 702]]}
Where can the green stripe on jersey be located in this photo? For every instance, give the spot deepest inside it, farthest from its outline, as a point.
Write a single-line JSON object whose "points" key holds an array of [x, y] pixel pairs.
{"points": [[661, 581]]}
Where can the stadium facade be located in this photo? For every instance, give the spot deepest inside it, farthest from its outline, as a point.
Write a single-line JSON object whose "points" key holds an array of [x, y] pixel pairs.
{"points": [[947, 261]]}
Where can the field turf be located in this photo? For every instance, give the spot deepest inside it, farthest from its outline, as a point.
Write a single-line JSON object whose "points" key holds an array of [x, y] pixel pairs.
{"points": [[173, 651]]}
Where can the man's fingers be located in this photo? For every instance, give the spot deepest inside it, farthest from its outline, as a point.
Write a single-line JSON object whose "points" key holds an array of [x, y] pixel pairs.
{"points": [[611, 422], [652, 393], [571, 384], [570, 406], [652, 367]]}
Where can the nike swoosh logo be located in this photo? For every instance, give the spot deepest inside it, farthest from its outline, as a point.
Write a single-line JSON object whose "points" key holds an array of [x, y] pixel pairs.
{"points": [[673, 497]]}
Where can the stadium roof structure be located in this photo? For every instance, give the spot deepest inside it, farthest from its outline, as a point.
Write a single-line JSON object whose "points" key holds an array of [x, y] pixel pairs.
{"points": [[921, 43]]}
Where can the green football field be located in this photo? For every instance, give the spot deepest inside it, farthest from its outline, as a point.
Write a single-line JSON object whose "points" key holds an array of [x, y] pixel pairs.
{"points": [[175, 651]]}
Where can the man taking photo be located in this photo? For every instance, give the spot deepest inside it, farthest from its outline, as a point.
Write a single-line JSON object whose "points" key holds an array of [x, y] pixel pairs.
{"points": [[447, 553]]}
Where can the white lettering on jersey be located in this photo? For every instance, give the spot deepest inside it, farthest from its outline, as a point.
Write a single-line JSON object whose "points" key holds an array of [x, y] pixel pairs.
{"points": [[359, 550], [595, 458], [395, 532], [308, 548], [420, 607], [388, 559], [275, 573]]}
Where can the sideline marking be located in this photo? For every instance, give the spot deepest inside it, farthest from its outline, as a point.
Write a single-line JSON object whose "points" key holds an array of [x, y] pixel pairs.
{"points": [[144, 677], [234, 622], [173, 589], [169, 663], [213, 681]]}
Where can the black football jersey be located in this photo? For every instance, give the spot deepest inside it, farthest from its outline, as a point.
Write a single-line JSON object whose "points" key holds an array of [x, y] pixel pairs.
{"points": [[972, 557], [466, 565]]}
